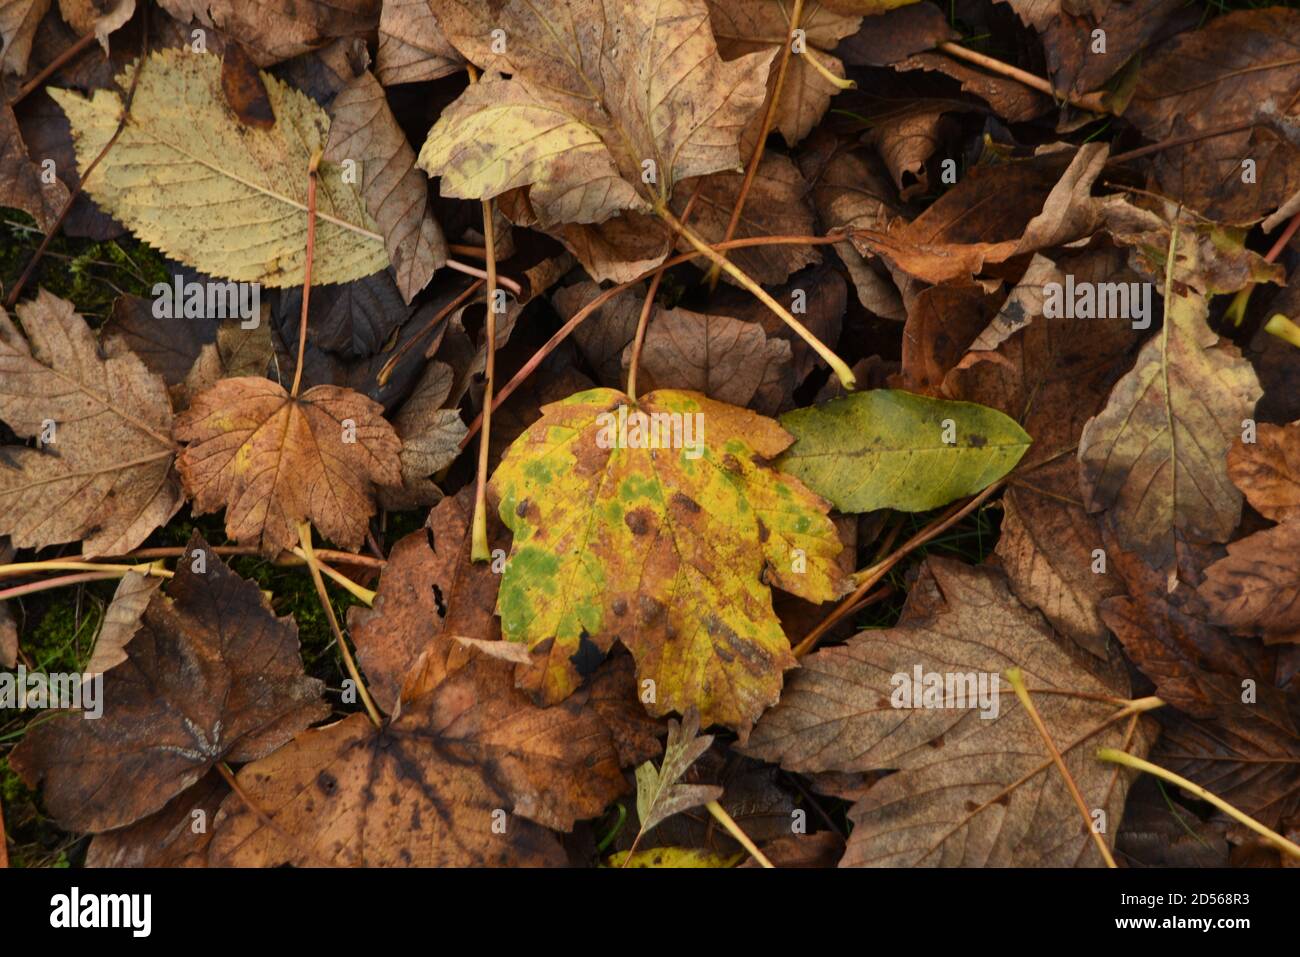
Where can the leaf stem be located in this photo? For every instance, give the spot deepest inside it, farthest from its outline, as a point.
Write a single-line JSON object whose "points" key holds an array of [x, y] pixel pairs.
{"points": [[638, 342], [62, 581], [360, 592], [27, 568], [838, 366], [1092, 102], [479, 551], [871, 576], [578, 317], [1017, 679], [1132, 761], [734, 830], [313, 166], [304, 536], [769, 117]]}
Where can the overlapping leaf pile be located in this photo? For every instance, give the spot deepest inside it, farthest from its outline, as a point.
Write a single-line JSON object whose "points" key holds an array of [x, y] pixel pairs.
{"points": [[843, 380]]}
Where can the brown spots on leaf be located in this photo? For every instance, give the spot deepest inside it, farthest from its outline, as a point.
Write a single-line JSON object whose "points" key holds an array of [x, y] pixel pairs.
{"points": [[639, 520]]}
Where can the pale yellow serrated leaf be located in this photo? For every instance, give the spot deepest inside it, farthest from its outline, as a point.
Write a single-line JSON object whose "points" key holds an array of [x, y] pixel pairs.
{"points": [[230, 200]]}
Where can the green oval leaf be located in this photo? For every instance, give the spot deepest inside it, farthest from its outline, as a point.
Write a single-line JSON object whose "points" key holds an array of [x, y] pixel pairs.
{"points": [[892, 449]]}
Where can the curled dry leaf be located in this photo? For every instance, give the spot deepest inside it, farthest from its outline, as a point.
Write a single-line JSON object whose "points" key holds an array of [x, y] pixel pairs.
{"points": [[273, 460], [173, 179], [18, 22], [364, 130], [412, 47], [21, 184], [668, 545], [105, 474], [211, 675]]}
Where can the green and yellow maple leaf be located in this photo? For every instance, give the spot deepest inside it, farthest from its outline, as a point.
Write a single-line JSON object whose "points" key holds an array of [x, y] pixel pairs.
{"points": [[660, 524]]}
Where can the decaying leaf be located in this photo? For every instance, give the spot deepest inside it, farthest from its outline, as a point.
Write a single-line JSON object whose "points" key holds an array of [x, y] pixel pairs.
{"points": [[976, 786], [211, 675], [18, 22], [750, 26], [273, 460], [235, 213], [104, 475], [1155, 459], [411, 45], [122, 620], [1267, 471], [463, 777], [891, 449], [609, 105], [665, 540], [275, 30], [363, 130]]}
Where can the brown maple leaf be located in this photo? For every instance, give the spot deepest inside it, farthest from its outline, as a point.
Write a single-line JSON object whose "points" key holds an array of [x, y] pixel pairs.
{"points": [[273, 460], [211, 675]]}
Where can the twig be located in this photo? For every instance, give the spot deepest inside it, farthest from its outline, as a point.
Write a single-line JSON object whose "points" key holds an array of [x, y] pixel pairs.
{"points": [[386, 370], [1017, 679], [304, 536], [1132, 761], [838, 366], [312, 166], [54, 65], [769, 117], [1092, 102], [1121, 158], [327, 554], [67, 206], [363, 594], [871, 576], [578, 317], [474, 271], [479, 551], [734, 830], [62, 581]]}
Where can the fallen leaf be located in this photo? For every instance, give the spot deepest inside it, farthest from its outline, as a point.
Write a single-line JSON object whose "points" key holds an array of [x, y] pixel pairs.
{"points": [[18, 22], [1268, 471], [235, 213], [275, 30], [412, 47], [776, 205], [176, 836], [1256, 589], [1216, 76], [122, 620], [432, 788], [757, 26], [660, 792], [1155, 459], [565, 125], [724, 358], [891, 449], [21, 183], [976, 785], [211, 675], [105, 477], [673, 857], [671, 552], [273, 461], [429, 591], [364, 130], [431, 438]]}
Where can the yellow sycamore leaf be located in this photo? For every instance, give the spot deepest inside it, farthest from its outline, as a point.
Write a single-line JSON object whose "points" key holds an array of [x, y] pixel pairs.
{"points": [[660, 524], [228, 199]]}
